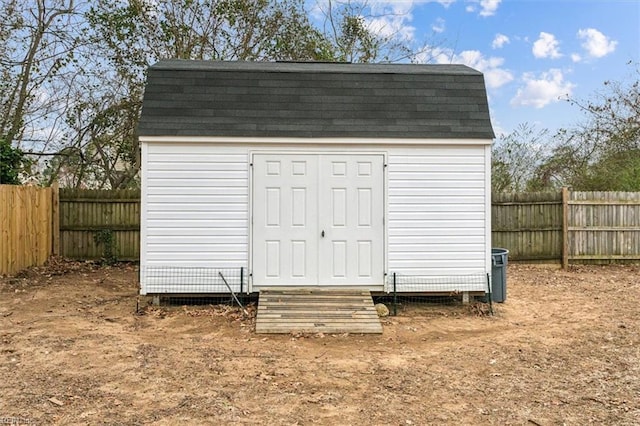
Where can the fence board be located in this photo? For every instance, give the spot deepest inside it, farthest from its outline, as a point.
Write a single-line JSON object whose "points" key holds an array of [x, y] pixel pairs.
{"points": [[85, 213], [25, 227]]}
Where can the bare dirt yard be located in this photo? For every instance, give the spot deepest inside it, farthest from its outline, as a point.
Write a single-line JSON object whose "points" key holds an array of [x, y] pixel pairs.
{"points": [[563, 349]]}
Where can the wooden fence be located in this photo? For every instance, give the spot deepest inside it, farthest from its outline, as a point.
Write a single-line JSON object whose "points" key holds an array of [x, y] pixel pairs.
{"points": [[568, 227], [529, 225], [28, 226], [602, 227], [98, 224], [564, 227]]}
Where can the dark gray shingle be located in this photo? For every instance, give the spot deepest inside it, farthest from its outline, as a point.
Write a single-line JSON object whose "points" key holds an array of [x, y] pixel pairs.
{"points": [[275, 99]]}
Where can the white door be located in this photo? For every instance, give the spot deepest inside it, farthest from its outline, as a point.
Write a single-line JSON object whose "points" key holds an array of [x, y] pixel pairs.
{"points": [[351, 220], [285, 221], [317, 220]]}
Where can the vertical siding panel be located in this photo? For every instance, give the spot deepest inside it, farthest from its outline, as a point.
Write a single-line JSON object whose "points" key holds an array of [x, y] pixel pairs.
{"points": [[197, 213], [436, 215]]}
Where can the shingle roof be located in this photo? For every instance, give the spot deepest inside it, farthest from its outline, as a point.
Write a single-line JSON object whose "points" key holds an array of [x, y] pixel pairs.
{"points": [[281, 99]]}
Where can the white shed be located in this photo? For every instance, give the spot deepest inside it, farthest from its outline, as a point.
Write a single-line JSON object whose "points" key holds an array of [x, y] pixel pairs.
{"points": [[314, 174]]}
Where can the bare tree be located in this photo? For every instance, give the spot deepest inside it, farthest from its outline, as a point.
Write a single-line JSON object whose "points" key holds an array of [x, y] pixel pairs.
{"points": [[603, 151], [73, 73], [126, 37], [37, 41], [516, 156]]}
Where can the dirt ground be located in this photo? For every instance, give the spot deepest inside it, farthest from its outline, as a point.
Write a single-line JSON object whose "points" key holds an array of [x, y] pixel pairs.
{"points": [[563, 349]]}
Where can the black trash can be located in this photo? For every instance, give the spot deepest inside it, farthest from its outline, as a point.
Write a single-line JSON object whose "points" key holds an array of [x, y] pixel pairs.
{"points": [[499, 274]]}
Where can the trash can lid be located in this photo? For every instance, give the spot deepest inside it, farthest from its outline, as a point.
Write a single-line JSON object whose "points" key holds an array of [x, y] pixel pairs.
{"points": [[496, 250]]}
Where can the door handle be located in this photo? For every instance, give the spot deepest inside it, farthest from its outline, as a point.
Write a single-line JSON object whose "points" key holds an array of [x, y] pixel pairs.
{"points": [[322, 234]]}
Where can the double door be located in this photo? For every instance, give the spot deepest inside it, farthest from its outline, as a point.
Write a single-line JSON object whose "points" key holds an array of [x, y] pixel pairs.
{"points": [[318, 220]]}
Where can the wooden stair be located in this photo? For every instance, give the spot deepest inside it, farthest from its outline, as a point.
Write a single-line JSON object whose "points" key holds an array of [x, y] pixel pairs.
{"points": [[316, 310]]}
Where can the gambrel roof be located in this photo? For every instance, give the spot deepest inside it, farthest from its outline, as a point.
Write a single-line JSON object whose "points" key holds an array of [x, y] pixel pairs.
{"points": [[314, 100]]}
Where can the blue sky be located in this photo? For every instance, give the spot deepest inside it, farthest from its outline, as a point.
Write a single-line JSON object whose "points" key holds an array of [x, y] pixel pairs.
{"points": [[533, 52]]}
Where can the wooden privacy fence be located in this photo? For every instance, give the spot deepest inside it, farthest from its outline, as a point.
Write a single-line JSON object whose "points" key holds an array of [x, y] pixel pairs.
{"points": [[564, 226], [529, 225], [602, 226], [28, 226], [568, 227], [98, 224]]}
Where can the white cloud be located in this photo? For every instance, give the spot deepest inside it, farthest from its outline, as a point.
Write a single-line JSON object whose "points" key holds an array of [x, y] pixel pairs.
{"points": [[319, 8], [487, 7], [445, 3], [393, 7], [539, 91], [499, 41], [392, 18], [495, 76], [392, 26], [404, 4], [438, 26], [595, 43], [546, 46], [576, 57]]}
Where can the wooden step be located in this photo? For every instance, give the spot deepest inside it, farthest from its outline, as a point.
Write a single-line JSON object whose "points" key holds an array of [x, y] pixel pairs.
{"points": [[316, 310]]}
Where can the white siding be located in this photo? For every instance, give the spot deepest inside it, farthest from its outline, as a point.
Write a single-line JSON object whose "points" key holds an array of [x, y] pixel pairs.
{"points": [[437, 239], [195, 217], [195, 207]]}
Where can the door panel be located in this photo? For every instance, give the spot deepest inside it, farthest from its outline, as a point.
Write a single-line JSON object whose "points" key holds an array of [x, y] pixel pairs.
{"points": [[351, 215], [339, 204], [318, 220], [285, 227]]}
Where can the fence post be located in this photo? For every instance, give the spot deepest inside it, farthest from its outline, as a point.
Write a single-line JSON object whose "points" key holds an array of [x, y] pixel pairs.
{"points": [[565, 227], [55, 219]]}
